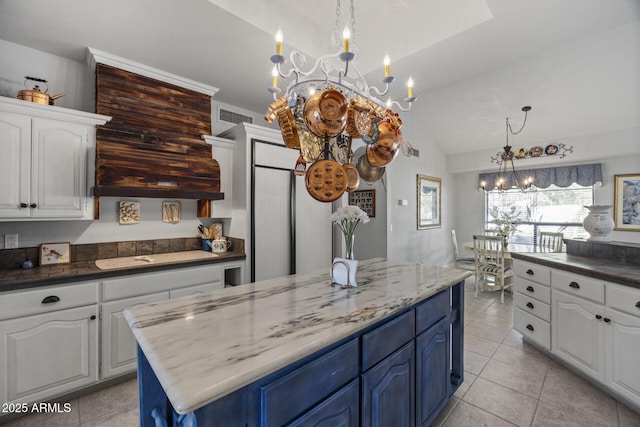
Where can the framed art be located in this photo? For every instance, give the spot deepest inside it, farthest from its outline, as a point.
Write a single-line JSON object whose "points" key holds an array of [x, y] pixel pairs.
{"points": [[429, 201], [626, 203], [55, 253], [129, 213], [365, 200]]}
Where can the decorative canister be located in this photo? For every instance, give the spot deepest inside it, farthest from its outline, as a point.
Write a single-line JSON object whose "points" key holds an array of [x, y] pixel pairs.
{"points": [[598, 223]]}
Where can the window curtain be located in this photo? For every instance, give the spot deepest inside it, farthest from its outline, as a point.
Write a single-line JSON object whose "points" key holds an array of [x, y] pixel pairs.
{"points": [[585, 175]]}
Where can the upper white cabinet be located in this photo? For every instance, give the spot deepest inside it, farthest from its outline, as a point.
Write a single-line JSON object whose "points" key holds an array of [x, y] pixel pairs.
{"points": [[46, 161]]}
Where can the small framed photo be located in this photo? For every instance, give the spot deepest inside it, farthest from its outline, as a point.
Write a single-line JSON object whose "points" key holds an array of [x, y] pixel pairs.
{"points": [[55, 253], [626, 206], [129, 212], [365, 200]]}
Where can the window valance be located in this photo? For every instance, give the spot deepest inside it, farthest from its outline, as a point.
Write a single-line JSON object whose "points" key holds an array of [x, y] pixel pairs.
{"points": [[564, 176]]}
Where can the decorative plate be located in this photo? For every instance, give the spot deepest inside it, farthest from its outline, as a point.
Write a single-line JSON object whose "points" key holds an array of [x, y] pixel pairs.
{"points": [[536, 151], [551, 149], [521, 153]]}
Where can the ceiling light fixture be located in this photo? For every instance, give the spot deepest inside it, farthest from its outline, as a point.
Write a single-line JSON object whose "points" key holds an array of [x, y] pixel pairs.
{"points": [[324, 72], [505, 163]]}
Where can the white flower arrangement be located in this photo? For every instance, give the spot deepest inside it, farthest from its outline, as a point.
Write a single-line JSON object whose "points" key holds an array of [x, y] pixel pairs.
{"points": [[347, 218]]}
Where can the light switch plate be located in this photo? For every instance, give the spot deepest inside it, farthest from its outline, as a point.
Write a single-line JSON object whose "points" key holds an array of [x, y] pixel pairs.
{"points": [[10, 241]]}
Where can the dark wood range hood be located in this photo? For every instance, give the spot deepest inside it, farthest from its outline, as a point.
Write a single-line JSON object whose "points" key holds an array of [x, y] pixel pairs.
{"points": [[153, 146]]}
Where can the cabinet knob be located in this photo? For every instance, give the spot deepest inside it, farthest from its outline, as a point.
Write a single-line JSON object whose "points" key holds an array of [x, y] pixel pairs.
{"points": [[574, 285], [638, 304], [93, 317], [24, 205], [598, 317], [51, 299], [607, 320], [530, 305], [529, 327], [530, 272], [33, 205], [530, 289]]}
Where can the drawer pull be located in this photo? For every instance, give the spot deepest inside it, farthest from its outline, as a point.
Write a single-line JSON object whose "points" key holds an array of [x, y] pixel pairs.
{"points": [[607, 320], [530, 305], [638, 304], [50, 299], [574, 285], [24, 205], [530, 289], [33, 205], [598, 317], [530, 272], [529, 327]]}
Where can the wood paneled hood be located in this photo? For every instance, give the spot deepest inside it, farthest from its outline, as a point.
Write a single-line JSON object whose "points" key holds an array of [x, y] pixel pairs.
{"points": [[153, 146]]}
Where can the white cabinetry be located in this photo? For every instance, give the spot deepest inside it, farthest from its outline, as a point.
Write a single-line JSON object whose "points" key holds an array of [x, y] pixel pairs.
{"points": [[52, 350], [118, 342], [595, 326], [532, 299], [223, 153], [46, 161]]}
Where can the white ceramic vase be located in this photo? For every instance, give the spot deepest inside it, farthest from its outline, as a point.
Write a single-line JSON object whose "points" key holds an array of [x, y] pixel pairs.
{"points": [[598, 223]]}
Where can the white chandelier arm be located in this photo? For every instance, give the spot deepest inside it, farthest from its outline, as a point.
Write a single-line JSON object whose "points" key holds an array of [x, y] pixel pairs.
{"points": [[409, 101]]}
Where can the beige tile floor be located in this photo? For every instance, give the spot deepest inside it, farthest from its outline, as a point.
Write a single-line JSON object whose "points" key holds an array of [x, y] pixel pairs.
{"points": [[507, 383]]}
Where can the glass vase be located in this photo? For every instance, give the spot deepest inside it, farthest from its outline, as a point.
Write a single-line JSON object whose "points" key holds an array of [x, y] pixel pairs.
{"points": [[348, 241]]}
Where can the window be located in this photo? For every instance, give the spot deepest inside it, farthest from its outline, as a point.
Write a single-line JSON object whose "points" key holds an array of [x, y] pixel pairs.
{"points": [[542, 209]]}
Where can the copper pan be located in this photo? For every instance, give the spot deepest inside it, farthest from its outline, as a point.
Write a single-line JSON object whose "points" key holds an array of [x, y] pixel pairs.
{"points": [[353, 178], [325, 113], [326, 181], [367, 172], [386, 148]]}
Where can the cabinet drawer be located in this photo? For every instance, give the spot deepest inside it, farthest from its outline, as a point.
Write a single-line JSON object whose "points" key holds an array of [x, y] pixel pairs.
{"points": [[432, 310], [533, 306], [533, 289], [581, 286], [534, 272], [159, 281], [532, 328], [623, 298], [289, 396], [209, 287], [46, 299], [384, 340]]}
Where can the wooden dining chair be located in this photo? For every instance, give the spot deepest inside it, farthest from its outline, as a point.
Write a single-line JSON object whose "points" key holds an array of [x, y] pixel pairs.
{"points": [[461, 262], [550, 242], [491, 231], [490, 263]]}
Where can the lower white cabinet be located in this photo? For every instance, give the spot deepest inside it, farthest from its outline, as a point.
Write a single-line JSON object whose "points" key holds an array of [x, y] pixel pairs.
{"points": [[48, 354], [622, 343], [577, 333], [118, 342]]}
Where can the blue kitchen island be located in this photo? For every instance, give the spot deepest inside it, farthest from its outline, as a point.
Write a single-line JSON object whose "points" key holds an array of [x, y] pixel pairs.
{"points": [[298, 351]]}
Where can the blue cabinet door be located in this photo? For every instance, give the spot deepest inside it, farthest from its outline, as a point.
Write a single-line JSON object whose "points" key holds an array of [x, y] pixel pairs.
{"points": [[342, 409], [388, 391], [433, 378]]}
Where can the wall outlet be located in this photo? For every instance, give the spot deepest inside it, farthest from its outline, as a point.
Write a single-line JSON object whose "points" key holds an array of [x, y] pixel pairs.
{"points": [[10, 241]]}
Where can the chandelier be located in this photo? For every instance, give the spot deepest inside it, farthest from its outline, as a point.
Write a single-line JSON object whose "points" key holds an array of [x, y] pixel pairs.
{"points": [[324, 107], [504, 160]]}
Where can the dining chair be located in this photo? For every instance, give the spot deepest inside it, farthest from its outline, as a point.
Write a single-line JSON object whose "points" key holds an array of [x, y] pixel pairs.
{"points": [[489, 257], [550, 242], [461, 262], [491, 231]]}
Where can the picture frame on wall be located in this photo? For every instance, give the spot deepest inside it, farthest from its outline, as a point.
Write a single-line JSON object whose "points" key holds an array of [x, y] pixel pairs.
{"points": [[429, 201], [626, 204], [365, 200], [55, 253]]}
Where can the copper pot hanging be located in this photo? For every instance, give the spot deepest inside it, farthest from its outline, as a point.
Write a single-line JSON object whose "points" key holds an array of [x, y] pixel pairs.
{"points": [[36, 95], [325, 113]]}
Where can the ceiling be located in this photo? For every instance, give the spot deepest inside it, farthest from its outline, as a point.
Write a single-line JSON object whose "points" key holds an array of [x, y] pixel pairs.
{"points": [[576, 62]]}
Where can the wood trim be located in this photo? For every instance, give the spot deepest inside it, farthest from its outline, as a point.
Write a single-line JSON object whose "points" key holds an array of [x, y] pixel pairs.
{"points": [[172, 193]]}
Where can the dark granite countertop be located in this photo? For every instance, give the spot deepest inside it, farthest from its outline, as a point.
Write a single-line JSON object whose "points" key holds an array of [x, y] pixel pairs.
{"points": [[86, 270], [616, 272]]}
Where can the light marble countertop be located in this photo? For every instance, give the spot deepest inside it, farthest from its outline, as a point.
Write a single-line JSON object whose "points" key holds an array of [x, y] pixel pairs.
{"points": [[205, 346]]}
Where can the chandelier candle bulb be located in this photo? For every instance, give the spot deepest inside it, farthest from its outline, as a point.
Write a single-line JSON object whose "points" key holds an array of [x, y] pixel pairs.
{"points": [[346, 35], [279, 39], [274, 74], [410, 87], [387, 66]]}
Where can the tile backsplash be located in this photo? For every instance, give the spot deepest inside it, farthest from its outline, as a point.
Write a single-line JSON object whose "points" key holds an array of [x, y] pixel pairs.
{"points": [[10, 258]]}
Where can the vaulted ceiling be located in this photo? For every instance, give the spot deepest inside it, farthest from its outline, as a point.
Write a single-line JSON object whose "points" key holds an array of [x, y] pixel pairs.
{"points": [[577, 62]]}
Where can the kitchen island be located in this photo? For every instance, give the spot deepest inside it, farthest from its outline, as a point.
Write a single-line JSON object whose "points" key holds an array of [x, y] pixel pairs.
{"points": [[298, 350]]}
